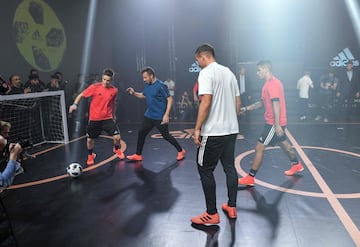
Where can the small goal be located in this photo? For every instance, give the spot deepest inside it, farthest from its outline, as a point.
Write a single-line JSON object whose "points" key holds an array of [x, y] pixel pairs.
{"points": [[36, 117]]}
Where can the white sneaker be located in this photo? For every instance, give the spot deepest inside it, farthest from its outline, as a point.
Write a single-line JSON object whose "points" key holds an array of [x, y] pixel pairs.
{"points": [[326, 120], [318, 117]]}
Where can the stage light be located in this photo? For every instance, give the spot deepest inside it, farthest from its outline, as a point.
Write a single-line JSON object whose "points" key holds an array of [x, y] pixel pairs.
{"points": [[354, 12], [84, 70]]}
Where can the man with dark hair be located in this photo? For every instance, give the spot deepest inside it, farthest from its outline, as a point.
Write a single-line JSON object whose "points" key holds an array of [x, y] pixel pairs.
{"points": [[215, 132], [53, 85], [347, 91], [16, 85], [273, 100], [34, 85], [102, 113], [328, 85], [159, 103]]}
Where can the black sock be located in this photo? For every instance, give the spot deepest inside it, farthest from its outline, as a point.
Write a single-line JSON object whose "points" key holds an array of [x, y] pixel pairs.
{"points": [[117, 147], [252, 172], [294, 161], [90, 151]]}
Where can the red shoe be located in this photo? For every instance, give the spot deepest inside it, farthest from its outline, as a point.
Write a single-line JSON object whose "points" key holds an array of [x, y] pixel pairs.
{"points": [[294, 169], [231, 211], [247, 180], [181, 155], [206, 218], [119, 153], [134, 157], [90, 159]]}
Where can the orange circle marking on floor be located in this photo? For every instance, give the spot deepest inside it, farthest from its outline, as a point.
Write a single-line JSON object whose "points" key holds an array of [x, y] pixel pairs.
{"points": [[47, 180], [298, 192]]}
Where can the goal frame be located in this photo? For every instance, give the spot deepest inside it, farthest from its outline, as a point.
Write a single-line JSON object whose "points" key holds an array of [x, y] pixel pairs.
{"points": [[42, 95]]}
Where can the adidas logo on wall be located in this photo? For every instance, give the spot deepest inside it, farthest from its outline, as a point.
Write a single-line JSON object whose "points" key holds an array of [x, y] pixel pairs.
{"points": [[194, 68], [342, 58]]}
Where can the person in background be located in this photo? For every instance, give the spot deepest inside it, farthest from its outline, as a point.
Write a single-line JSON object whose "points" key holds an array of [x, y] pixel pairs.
{"points": [[303, 85], [34, 85], [53, 85], [186, 107], [171, 86], [16, 85], [327, 89], [347, 90]]}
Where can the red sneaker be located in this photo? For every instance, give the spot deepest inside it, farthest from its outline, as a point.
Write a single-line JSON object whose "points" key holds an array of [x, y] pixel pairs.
{"points": [[206, 218], [181, 155], [231, 211], [90, 159], [134, 157], [294, 169], [247, 180], [119, 153]]}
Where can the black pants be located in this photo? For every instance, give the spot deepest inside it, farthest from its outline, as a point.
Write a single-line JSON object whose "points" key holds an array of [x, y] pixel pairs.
{"points": [[213, 149], [303, 107], [147, 126]]}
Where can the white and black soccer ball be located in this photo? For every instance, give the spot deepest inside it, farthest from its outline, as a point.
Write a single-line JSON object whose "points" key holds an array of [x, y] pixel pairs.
{"points": [[74, 170]]}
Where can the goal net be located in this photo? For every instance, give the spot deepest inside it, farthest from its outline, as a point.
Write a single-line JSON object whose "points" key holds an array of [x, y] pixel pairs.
{"points": [[36, 117]]}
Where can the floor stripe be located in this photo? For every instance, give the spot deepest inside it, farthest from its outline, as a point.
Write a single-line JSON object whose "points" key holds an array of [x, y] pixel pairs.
{"points": [[240, 171], [47, 180], [334, 202]]}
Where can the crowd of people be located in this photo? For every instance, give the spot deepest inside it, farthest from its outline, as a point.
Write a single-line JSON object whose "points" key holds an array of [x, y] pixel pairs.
{"points": [[334, 97], [34, 84]]}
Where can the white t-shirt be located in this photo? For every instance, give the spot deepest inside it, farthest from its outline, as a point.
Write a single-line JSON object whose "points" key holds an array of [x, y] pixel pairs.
{"points": [[171, 86], [221, 83], [303, 86]]}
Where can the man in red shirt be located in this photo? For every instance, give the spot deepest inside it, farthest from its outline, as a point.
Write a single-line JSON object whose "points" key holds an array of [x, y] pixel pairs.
{"points": [[102, 113], [275, 117]]}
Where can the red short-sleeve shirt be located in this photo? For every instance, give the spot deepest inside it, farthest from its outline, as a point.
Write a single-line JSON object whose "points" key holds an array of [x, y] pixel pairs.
{"points": [[102, 102], [272, 89]]}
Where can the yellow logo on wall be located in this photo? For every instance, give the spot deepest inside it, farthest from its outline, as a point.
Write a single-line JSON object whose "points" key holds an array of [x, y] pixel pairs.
{"points": [[40, 36]]}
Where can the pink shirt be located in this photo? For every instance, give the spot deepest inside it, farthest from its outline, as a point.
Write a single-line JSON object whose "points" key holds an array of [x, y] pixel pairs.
{"points": [[272, 89], [102, 102]]}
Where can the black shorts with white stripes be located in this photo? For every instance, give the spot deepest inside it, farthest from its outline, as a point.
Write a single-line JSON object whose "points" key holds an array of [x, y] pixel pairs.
{"points": [[269, 138]]}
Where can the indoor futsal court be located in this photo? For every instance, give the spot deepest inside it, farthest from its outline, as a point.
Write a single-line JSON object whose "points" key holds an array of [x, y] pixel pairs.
{"points": [[55, 54], [150, 203]]}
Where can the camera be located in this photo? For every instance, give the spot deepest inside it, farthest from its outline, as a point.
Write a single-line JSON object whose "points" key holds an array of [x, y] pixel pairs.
{"points": [[25, 143]]}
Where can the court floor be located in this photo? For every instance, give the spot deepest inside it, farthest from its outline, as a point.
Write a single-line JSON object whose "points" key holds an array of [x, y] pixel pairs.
{"points": [[150, 203]]}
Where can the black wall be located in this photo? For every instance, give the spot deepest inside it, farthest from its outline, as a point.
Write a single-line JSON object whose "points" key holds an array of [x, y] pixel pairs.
{"points": [[293, 34]]}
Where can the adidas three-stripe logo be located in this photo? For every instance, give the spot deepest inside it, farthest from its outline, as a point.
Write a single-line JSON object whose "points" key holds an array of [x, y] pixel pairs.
{"points": [[342, 58]]}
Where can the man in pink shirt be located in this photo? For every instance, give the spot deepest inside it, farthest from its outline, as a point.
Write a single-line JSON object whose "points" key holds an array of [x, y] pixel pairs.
{"points": [[102, 113], [275, 117]]}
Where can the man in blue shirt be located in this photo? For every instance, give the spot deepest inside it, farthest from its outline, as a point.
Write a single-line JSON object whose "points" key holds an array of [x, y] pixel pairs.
{"points": [[159, 104]]}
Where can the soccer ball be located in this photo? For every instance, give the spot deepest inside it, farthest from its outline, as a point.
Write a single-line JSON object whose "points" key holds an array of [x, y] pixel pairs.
{"points": [[74, 170]]}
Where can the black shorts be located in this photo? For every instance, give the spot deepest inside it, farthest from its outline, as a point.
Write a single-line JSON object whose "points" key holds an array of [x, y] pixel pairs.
{"points": [[95, 128], [268, 136]]}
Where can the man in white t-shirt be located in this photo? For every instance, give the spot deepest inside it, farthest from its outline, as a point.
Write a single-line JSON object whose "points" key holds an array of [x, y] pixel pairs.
{"points": [[303, 85], [215, 132]]}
